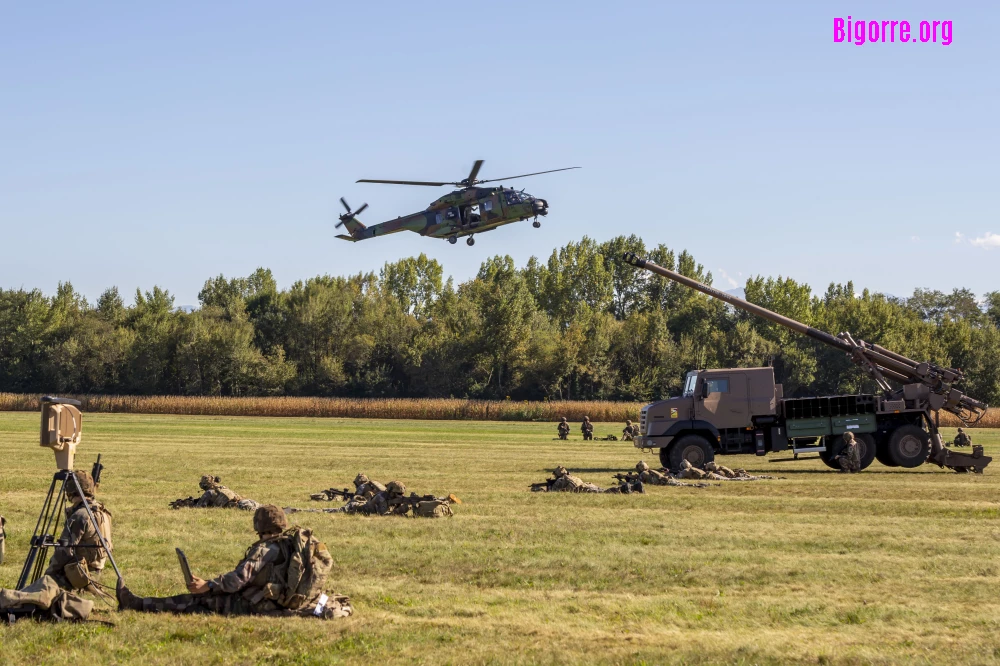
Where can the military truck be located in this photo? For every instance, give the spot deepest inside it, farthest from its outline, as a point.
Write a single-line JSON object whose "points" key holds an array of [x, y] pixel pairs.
{"points": [[743, 410]]}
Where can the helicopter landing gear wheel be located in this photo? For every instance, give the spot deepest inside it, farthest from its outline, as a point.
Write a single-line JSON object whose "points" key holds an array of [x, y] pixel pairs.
{"points": [[452, 240], [536, 224], [470, 241]]}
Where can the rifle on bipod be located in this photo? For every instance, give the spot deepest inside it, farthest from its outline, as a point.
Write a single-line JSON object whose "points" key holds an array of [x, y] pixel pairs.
{"points": [[414, 499], [628, 477], [330, 494], [543, 486], [184, 503]]}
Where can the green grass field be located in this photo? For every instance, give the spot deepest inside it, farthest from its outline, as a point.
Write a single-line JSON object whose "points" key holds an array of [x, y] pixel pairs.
{"points": [[889, 566]]}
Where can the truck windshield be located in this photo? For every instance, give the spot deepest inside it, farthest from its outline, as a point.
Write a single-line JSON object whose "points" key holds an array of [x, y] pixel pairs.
{"points": [[689, 383]]}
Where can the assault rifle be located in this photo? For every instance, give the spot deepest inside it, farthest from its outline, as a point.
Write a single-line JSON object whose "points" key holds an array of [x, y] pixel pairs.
{"points": [[627, 477], [184, 503], [414, 499], [543, 486], [330, 494]]}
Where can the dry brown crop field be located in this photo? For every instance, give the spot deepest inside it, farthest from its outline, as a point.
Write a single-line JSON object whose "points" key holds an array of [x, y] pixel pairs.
{"points": [[365, 408], [371, 408], [891, 566]]}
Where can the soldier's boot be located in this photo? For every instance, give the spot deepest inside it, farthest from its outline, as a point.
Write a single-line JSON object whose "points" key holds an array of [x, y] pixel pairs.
{"points": [[127, 600]]}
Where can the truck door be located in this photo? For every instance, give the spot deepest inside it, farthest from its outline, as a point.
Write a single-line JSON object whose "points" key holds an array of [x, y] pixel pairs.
{"points": [[724, 400]]}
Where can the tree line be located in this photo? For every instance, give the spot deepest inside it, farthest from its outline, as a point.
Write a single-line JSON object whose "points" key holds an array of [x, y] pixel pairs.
{"points": [[581, 325]]}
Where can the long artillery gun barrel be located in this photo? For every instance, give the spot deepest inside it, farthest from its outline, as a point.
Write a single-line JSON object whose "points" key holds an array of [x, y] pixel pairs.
{"points": [[930, 386]]}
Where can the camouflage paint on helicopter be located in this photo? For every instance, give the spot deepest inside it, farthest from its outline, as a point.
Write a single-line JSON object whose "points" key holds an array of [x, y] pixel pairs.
{"points": [[470, 210]]}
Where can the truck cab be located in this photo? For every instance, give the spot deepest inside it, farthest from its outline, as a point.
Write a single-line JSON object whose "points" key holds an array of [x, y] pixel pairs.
{"points": [[719, 410]]}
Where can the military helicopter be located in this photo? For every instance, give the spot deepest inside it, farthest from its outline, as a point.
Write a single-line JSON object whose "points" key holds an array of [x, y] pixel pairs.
{"points": [[464, 212]]}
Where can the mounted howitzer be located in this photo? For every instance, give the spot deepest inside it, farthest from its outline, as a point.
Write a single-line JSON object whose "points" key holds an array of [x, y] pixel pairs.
{"points": [[900, 427]]}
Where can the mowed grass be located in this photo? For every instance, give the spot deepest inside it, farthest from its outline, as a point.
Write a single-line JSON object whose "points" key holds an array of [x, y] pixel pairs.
{"points": [[889, 566]]}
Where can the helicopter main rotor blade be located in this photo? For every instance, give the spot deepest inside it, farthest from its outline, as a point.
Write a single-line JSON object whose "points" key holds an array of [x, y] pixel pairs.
{"points": [[404, 182], [477, 165], [360, 210], [524, 175], [344, 203]]}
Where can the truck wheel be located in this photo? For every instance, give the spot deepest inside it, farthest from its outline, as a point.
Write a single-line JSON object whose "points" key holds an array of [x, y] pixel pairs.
{"points": [[665, 457], [693, 448], [909, 445], [833, 444], [882, 454]]}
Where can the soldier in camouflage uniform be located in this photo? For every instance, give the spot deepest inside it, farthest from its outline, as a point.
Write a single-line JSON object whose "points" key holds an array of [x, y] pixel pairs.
{"points": [[630, 431], [79, 568], [3, 538], [216, 496], [254, 587], [962, 439], [378, 504], [849, 457], [689, 471], [721, 470], [569, 483], [651, 476], [563, 429], [587, 428], [364, 490]]}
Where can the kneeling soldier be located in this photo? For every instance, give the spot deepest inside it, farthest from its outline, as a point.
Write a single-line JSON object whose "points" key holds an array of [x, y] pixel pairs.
{"points": [[849, 457], [563, 429], [78, 568], [587, 428], [282, 574], [962, 439]]}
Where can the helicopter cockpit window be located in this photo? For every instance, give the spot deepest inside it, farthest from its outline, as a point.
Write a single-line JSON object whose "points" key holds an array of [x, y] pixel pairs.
{"points": [[512, 196]]}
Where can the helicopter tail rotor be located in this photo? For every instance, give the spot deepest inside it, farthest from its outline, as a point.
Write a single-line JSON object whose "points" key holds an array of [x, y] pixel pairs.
{"points": [[349, 219]]}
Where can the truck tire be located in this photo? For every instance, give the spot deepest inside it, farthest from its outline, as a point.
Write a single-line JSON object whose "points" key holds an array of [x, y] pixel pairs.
{"points": [[909, 445], [693, 448], [882, 454], [835, 443]]}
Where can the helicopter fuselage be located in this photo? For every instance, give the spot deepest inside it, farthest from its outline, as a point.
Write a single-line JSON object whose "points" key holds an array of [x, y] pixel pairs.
{"points": [[472, 210]]}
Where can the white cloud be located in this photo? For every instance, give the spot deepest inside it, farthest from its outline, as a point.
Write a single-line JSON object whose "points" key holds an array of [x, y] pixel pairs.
{"points": [[987, 240], [959, 237], [725, 276]]}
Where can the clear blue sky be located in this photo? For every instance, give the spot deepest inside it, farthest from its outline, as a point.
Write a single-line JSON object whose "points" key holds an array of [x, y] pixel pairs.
{"points": [[170, 142]]}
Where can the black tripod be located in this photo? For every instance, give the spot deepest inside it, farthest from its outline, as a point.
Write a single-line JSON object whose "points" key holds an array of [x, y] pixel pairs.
{"points": [[49, 520]]}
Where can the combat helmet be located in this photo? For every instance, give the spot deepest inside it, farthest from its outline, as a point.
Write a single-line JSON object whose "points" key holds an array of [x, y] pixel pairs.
{"points": [[395, 488], [86, 482], [560, 471], [848, 436], [960, 430], [641, 466], [208, 482], [586, 418], [711, 466], [628, 422], [361, 478], [686, 464], [269, 519], [564, 421]]}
